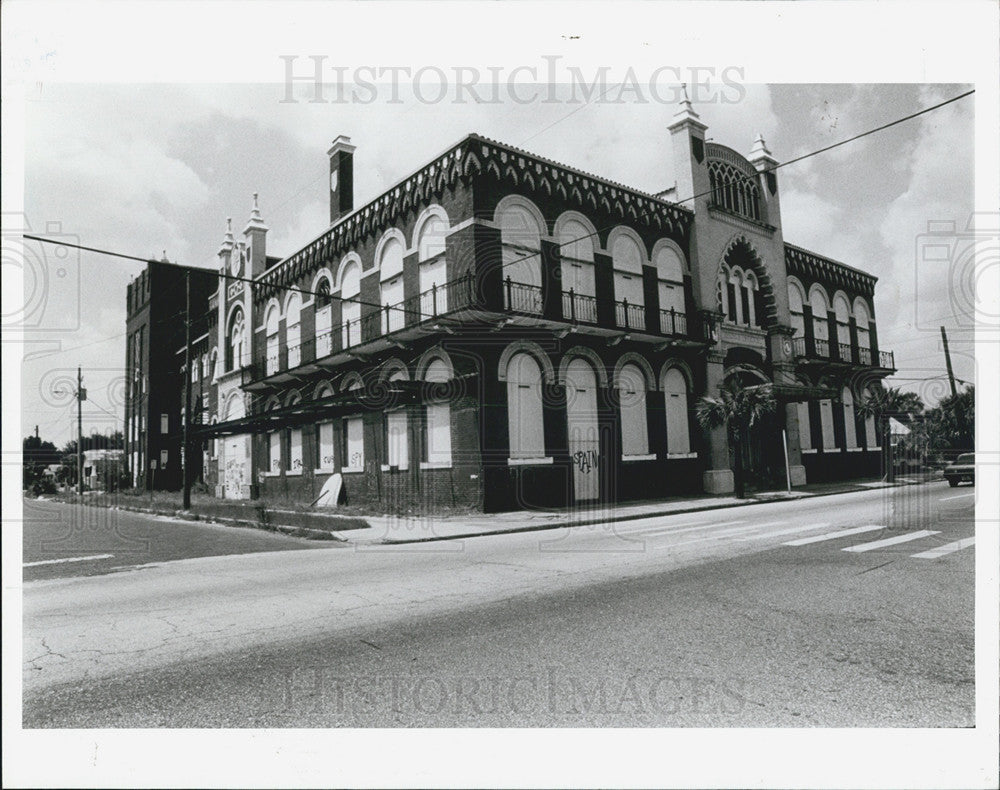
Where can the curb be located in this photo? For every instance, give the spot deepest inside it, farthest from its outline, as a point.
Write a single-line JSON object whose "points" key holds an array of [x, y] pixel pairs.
{"points": [[612, 520]]}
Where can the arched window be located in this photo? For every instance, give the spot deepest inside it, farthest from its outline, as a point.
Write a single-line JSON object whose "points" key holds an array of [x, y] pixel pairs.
{"points": [[324, 436], [390, 265], [350, 287], [795, 300], [576, 250], [627, 259], [863, 322], [805, 431], [736, 294], [397, 432], [632, 400], [675, 402], [733, 190], [821, 328], [751, 299], [271, 321], [433, 266], [842, 310], [826, 423], [520, 237], [670, 283], [354, 437], [295, 464], [273, 443], [236, 350], [293, 334], [525, 427], [437, 418], [324, 319], [850, 428]]}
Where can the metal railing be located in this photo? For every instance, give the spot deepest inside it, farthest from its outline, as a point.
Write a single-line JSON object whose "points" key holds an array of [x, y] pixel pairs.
{"points": [[864, 356], [844, 352], [579, 307], [630, 316], [822, 347], [886, 359], [521, 297], [673, 323], [799, 344]]}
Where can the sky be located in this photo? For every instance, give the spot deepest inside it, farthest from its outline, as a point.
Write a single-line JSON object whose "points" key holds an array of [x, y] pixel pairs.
{"points": [[154, 169]]}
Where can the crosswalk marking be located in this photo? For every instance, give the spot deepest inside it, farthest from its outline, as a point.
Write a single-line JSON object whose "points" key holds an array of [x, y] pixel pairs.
{"points": [[879, 544], [840, 533], [678, 528], [714, 536], [789, 531], [947, 548], [69, 559], [957, 496]]}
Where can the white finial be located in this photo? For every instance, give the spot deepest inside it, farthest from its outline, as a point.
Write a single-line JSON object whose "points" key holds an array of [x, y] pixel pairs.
{"points": [[685, 111], [255, 222], [759, 147]]}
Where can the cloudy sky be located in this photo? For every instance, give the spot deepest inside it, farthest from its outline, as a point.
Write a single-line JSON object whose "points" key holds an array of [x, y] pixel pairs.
{"points": [[153, 166]]}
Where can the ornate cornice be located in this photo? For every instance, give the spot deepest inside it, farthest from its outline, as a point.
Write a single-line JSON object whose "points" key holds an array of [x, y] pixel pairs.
{"points": [[804, 264]]}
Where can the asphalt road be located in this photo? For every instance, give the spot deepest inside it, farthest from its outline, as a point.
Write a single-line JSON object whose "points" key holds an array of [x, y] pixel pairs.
{"points": [[854, 610]]}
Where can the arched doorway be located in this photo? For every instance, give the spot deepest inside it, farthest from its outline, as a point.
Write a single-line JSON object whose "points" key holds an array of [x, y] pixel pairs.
{"points": [[756, 451]]}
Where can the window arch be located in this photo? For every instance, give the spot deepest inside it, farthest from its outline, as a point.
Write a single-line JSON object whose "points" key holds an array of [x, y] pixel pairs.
{"points": [[293, 328], [627, 257], [236, 351], [850, 427], [350, 287], [396, 429], [796, 298], [430, 236], [324, 316], [525, 422], [389, 260], [675, 402], [521, 228], [272, 321], [576, 237], [437, 416], [631, 383], [733, 190], [324, 439], [273, 441], [862, 319], [670, 266], [821, 329], [842, 311]]}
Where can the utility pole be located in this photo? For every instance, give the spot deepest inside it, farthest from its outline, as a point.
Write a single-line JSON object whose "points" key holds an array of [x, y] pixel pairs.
{"points": [[947, 359], [186, 444], [81, 396]]}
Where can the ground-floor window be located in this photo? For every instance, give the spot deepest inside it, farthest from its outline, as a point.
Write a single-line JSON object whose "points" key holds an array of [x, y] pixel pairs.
{"points": [[524, 407], [805, 431], [676, 407], [324, 446], [354, 444], [632, 399], [295, 450], [397, 444], [850, 428], [437, 419], [826, 422], [274, 451]]}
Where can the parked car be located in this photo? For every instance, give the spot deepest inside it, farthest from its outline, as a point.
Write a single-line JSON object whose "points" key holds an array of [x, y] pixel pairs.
{"points": [[961, 470]]}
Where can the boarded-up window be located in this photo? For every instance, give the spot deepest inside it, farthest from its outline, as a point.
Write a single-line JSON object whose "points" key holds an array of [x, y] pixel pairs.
{"points": [[632, 397], [325, 445], [274, 451], [524, 407], [164, 423], [324, 340], [397, 444], [293, 336], [826, 421], [392, 297], [437, 439], [676, 407], [350, 287], [295, 450], [805, 434], [354, 443], [850, 430]]}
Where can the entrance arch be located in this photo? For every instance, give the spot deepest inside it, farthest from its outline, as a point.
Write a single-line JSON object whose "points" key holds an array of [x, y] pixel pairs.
{"points": [[582, 429]]}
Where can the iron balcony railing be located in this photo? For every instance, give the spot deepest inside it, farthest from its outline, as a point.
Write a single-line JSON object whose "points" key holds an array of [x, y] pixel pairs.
{"points": [[865, 356], [844, 352], [630, 316], [673, 323], [800, 346], [521, 297], [822, 347], [886, 359], [579, 307]]}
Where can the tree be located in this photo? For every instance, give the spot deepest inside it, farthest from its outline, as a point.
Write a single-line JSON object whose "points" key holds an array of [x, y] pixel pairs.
{"points": [[738, 409], [36, 455], [950, 427], [883, 403]]}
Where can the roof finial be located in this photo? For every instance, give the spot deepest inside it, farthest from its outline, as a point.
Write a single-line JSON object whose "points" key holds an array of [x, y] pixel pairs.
{"points": [[685, 111]]}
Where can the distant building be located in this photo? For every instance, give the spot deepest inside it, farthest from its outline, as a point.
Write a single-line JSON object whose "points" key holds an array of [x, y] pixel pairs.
{"points": [[502, 331], [101, 465]]}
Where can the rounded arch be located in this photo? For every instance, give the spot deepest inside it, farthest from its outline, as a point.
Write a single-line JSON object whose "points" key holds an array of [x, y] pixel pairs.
{"points": [[272, 403], [352, 381], [669, 259], [632, 358], [392, 367], [321, 275], [234, 407], [679, 366], [746, 369], [235, 308], [628, 251], [428, 238], [389, 253], [293, 398], [819, 300], [527, 347], [349, 275], [592, 358], [796, 295], [576, 235], [842, 306], [862, 313], [520, 221], [740, 253], [324, 389], [428, 357], [272, 316], [293, 307]]}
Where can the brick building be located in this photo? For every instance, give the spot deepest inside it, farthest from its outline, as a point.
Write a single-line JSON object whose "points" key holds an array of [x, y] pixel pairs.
{"points": [[503, 331]]}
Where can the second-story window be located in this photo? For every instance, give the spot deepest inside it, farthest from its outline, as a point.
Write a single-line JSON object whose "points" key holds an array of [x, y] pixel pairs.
{"points": [[433, 266], [293, 334], [842, 310], [576, 252], [235, 358], [627, 258], [324, 319], [390, 265], [520, 235], [863, 322], [670, 285], [821, 326], [350, 287], [795, 299], [733, 190], [271, 351]]}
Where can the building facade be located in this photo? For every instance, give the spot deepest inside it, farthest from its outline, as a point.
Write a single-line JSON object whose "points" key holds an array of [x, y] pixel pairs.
{"points": [[500, 331]]}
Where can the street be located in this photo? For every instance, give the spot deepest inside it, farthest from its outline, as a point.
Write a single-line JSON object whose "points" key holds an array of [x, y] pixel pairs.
{"points": [[840, 611]]}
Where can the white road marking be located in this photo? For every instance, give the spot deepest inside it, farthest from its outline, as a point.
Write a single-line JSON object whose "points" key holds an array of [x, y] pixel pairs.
{"points": [[947, 548], [957, 496], [69, 559], [789, 531], [840, 533], [880, 544], [661, 530], [715, 536]]}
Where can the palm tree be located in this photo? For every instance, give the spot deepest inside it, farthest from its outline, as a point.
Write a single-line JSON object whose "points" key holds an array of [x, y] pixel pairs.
{"points": [[883, 403], [739, 409]]}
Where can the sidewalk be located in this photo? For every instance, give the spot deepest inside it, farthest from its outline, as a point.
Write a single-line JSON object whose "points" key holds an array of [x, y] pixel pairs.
{"points": [[397, 530]]}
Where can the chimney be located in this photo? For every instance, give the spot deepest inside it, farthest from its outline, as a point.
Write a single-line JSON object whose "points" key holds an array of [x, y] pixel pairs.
{"points": [[341, 178]]}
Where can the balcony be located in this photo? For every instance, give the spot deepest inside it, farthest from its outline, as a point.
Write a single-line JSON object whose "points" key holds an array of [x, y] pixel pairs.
{"points": [[521, 297], [630, 316], [579, 307], [846, 353], [673, 323]]}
